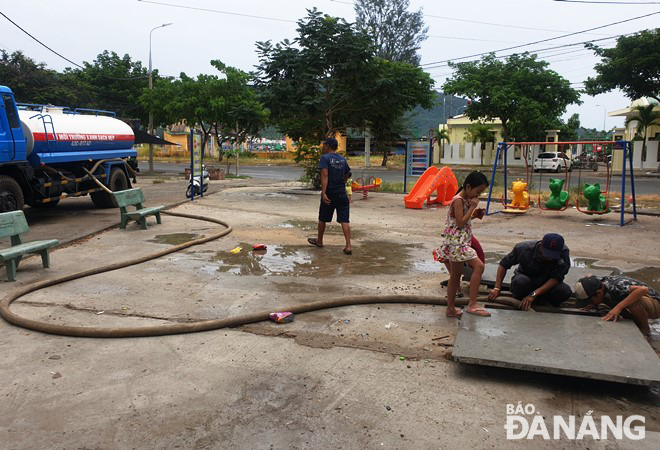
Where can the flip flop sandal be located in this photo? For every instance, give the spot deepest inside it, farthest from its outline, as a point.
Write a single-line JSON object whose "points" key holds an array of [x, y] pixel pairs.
{"points": [[314, 242], [478, 312], [348, 252]]}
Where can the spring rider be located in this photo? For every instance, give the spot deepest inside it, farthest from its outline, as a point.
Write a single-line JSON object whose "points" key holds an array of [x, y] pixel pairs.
{"points": [[520, 195], [558, 197], [597, 202]]}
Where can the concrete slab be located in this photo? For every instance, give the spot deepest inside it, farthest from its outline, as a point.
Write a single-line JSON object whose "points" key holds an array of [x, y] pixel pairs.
{"points": [[490, 273], [560, 344]]}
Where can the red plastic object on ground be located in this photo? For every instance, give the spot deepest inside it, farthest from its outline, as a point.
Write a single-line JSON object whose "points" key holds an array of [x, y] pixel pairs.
{"points": [[441, 181], [282, 317], [258, 247]]}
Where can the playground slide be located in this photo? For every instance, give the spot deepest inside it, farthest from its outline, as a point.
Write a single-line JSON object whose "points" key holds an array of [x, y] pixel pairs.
{"points": [[441, 181]]}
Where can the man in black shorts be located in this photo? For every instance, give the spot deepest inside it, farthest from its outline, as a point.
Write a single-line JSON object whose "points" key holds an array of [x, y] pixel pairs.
{"points": [[334, 173]]}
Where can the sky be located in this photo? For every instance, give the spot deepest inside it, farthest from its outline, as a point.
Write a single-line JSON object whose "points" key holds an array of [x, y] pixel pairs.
{"points": [[81, 29]]}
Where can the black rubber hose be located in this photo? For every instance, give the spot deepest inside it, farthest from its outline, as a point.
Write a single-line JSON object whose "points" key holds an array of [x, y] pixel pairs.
{"points": [[193, 327]]}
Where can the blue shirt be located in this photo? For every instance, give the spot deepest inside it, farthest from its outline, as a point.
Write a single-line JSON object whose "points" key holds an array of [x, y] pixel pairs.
{"points": [[525, 255], [337, 167]]}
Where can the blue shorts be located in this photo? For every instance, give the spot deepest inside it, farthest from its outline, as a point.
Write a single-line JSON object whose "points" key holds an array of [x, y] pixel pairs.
{"points": [[338, 201]]}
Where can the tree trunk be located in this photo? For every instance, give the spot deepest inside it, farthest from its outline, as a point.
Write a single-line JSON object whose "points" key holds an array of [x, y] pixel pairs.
{"points": [[385, 154]]}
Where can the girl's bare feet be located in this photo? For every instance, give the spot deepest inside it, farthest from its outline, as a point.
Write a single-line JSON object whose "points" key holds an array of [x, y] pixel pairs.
{"points": [[455, 312]]}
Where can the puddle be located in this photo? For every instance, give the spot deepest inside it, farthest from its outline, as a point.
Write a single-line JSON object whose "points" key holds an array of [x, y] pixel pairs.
{"points": [[311, 226], [648, 275], [371, 258], [174, 238]]}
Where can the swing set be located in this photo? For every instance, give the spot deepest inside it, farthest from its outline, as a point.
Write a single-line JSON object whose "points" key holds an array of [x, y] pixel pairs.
{"points": [[598, 200]]}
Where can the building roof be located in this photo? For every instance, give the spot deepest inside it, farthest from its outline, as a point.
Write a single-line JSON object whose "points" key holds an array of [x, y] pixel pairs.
{"points": [[465, 120], [644, 101]]}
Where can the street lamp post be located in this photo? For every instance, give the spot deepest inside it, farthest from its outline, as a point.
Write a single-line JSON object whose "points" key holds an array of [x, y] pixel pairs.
{"points": [[604, 116], [151, 113]]}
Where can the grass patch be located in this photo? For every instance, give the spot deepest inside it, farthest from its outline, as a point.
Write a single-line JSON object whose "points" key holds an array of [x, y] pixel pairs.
{"points": [[229, 176], [158, 181]]}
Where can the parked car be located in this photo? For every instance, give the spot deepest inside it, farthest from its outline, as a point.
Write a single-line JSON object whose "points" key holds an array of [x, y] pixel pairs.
{"points": [[553, 161]]}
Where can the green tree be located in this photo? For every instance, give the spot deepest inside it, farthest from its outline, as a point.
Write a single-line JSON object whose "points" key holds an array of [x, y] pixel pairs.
{"points": [[480, 132], [114, 83], [442, 136], [328, 80], [643, 118], [396, 32], [633, 66], [222, 106], [314, 84], [33, 82], [521, 91], [394, 89], [568, 131]]}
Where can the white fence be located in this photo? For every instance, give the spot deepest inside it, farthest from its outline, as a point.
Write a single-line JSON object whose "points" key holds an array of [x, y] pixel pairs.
{"points": [[470, 154]]}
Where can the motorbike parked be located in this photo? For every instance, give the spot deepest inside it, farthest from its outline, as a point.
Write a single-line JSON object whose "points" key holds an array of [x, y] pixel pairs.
{"points": [[199, 184], [586, 162]]}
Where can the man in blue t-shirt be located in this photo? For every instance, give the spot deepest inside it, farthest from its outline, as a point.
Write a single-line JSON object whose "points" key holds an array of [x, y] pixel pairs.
{"points": [[334, 173]]}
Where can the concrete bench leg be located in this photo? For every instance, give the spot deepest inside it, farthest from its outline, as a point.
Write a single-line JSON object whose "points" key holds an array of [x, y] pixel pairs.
{"points": [[124, 222], [45, 259], [143, 223], [11, 269], [158, 218]]}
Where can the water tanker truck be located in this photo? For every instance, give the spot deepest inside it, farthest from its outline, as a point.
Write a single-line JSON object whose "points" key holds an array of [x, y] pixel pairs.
{"points": [[48, 153]]}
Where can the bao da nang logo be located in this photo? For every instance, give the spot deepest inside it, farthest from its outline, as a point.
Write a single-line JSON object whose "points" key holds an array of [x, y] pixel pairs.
{"points": [[525, 422]]}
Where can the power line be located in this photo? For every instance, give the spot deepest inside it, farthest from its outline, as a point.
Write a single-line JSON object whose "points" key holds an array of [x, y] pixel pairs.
{"points": [[470, 39], [44, 45], [455, 19], [64, 57], [545, 40], [542, 50], [609, 3], [217, 11]]}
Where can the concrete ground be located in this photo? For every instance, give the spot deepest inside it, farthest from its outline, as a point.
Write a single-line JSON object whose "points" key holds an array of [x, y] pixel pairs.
{"points": [[355, 377]]}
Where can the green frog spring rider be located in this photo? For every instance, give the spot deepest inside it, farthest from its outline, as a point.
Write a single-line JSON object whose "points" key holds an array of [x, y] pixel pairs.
{"points": [[558, 197], [597, 202]]}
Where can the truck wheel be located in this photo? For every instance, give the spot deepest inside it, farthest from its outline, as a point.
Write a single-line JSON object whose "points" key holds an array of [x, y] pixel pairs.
{"points": [[11, 195], [118, 182]]}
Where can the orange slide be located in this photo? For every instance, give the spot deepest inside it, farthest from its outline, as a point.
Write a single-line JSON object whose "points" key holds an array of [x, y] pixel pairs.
{"points": [[441, 181]]}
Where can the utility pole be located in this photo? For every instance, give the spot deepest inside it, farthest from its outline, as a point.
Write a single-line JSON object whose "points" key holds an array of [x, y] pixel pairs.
{"points": [[151, 113]]}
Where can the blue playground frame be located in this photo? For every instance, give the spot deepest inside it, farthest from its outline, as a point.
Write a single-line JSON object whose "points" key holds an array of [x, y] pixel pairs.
{"points": [[503, 148]]}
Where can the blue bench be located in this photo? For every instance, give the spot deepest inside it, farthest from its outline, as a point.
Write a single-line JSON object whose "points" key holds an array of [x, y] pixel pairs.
{"points": [[135, 197], [12, 225]]}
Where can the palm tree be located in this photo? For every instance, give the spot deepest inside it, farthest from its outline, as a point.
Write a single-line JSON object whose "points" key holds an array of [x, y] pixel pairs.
{"points": [[645, 117], [480, 132], [441, 136]]}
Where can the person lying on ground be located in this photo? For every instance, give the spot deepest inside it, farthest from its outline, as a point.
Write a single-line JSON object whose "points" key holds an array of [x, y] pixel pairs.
{"points": [[539, 277], [625, 297]]}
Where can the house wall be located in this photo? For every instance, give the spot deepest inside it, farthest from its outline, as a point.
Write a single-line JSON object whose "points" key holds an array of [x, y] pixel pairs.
{"points": [[650, 163]]}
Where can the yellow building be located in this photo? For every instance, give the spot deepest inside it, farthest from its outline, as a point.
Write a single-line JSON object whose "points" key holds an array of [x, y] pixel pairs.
{"points": [[457, 128], [651, 159], [341, 140], [653, 133]]}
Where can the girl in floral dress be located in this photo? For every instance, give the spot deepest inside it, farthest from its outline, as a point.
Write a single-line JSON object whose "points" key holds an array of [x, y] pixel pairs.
{"points": [[456, 248]]}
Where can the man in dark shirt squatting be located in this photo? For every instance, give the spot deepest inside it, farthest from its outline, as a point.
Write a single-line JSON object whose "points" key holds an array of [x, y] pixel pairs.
{"points": [[334, 173], [539, 277]]}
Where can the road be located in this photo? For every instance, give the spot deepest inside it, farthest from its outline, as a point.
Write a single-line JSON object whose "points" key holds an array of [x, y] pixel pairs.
{"points": [[643, 186]]}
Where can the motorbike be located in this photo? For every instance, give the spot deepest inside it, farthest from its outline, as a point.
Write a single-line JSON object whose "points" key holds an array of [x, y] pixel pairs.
{"points": [[586, 162], [199, 184]]}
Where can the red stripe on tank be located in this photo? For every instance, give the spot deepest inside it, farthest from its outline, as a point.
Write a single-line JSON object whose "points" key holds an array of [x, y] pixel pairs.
{"points": [[72, 137]]}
